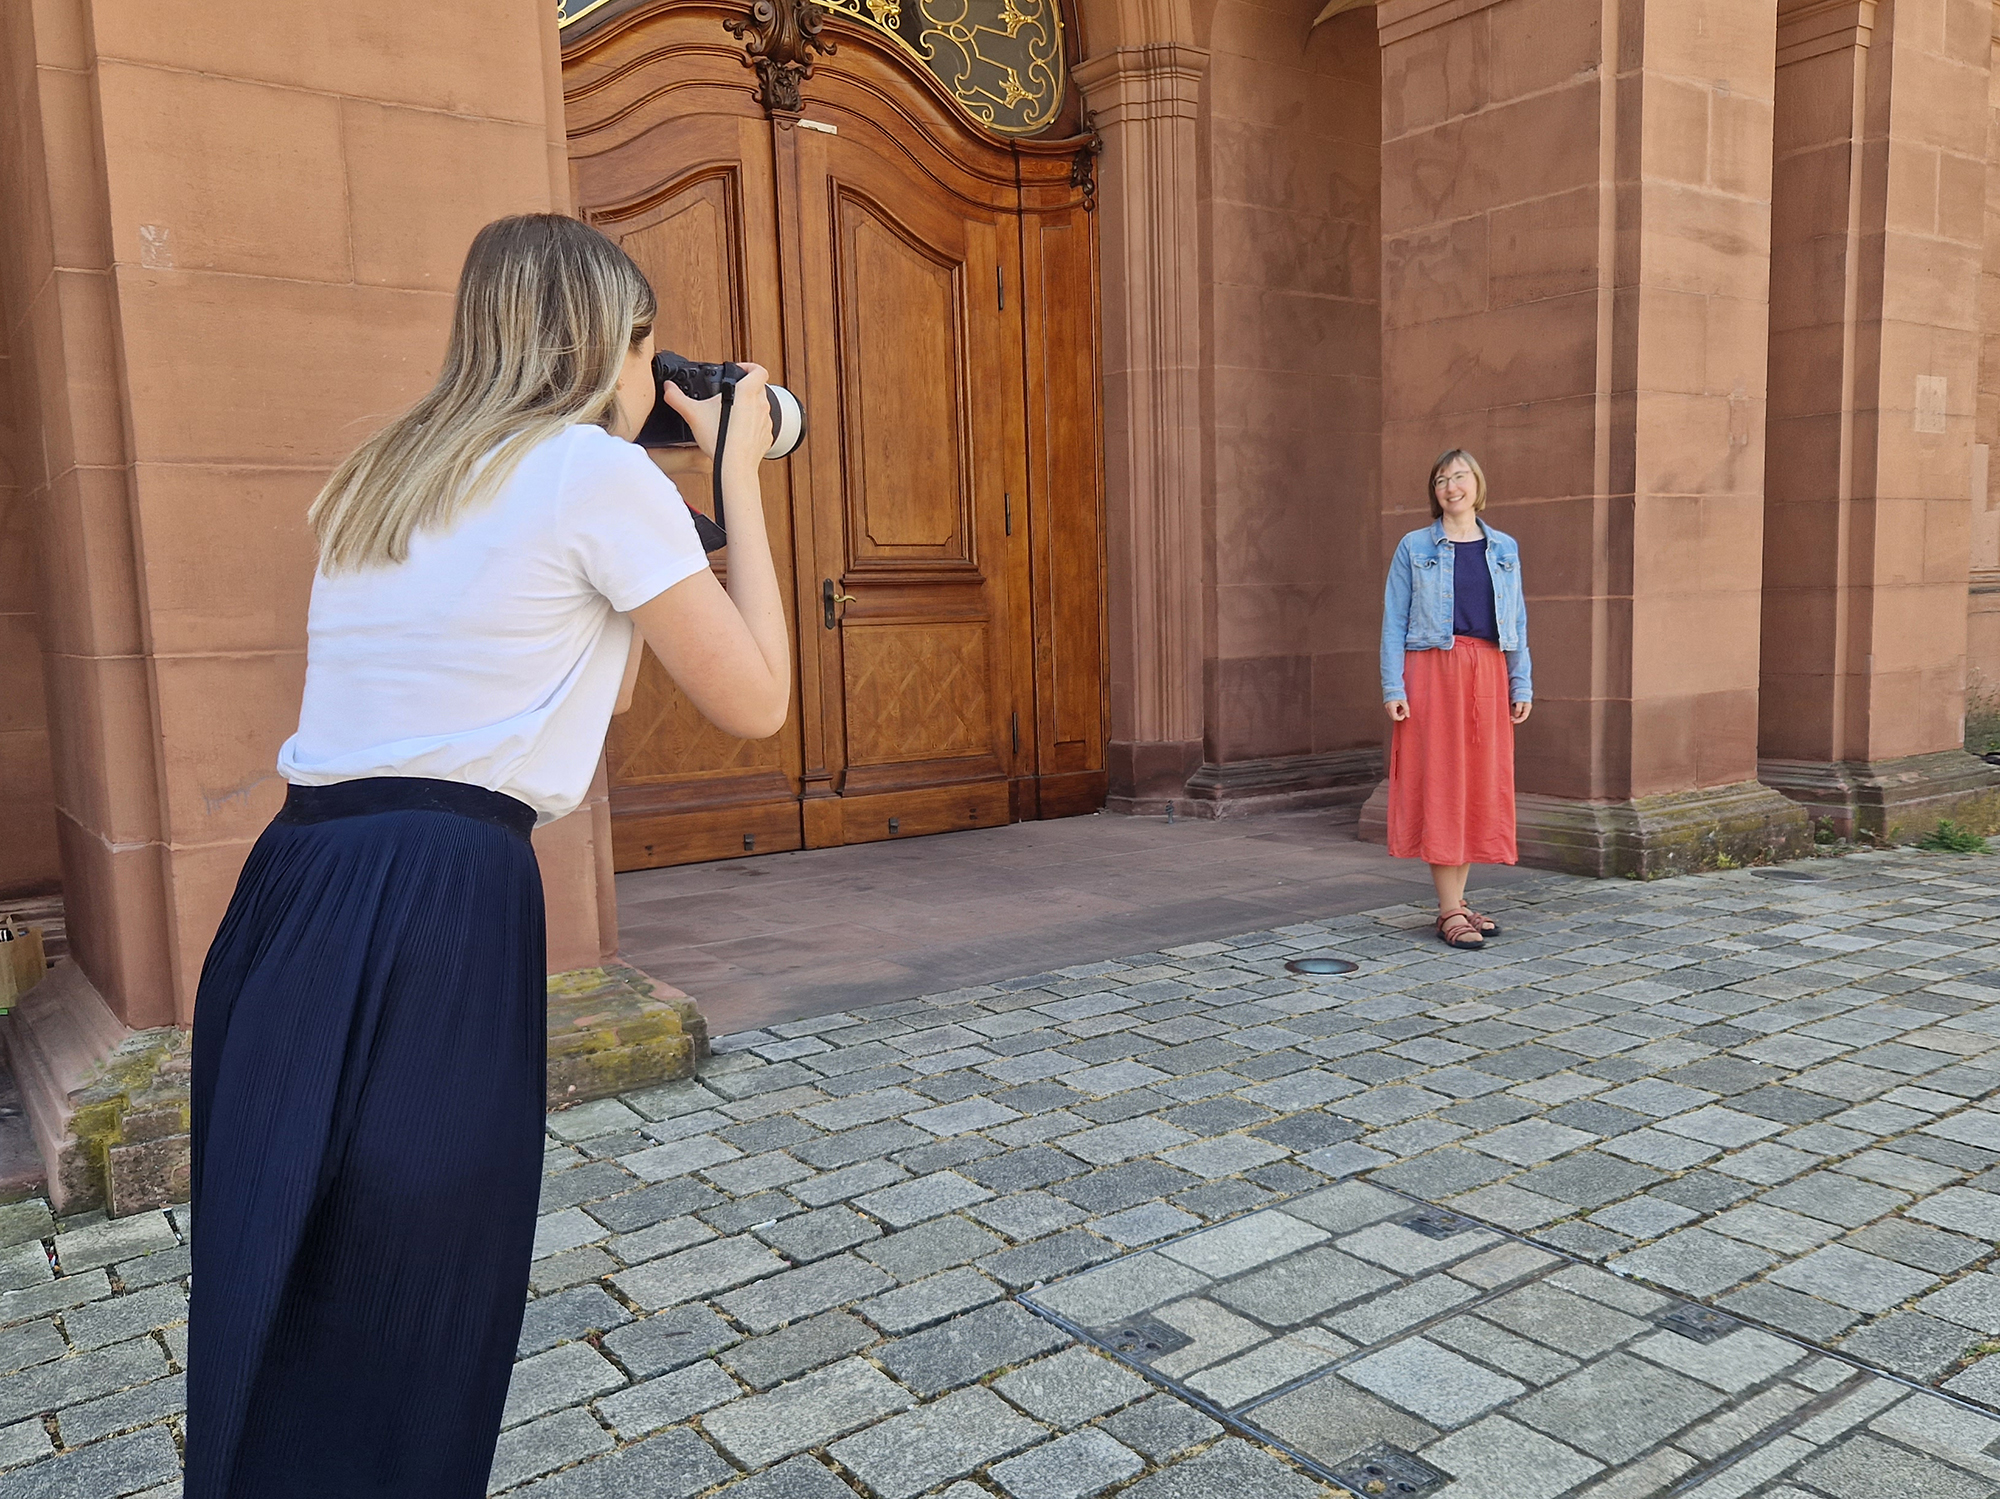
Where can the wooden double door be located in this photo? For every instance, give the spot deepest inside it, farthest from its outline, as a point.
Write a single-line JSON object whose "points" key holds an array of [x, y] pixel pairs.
{"points": [[929, 293]]}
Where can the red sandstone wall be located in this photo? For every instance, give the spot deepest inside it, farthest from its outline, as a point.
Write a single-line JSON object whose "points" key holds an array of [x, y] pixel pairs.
{"points": [[28, 863], [240, 228], [1291, 187]]}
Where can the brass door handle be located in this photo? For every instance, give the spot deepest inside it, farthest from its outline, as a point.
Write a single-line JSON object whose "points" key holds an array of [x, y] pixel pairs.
{"points": [[831, 598]]}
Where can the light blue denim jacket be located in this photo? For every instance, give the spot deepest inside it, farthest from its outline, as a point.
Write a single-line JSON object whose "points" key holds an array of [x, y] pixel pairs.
{"points": [[1417, 606]]}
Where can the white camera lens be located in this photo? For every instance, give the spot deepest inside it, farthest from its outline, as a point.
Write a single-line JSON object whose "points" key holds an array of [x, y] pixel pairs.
{"points": [[788, 422]]}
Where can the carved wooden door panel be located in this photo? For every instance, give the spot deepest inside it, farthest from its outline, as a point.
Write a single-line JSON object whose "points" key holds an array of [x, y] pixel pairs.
{"points": [[919, 457], [697, 217]]}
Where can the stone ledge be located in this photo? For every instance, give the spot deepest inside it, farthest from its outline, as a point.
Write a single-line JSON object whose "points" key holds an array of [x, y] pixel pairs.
{"points": [[1892, 801], [110, 1106], [1283, 783], [1647, 837], [615, 1029]]}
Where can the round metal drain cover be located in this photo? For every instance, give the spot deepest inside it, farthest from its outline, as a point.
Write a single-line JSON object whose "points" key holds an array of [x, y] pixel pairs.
{"points": [[1321, 965]]}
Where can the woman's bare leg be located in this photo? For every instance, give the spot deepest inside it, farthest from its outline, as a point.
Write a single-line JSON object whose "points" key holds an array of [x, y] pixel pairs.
{"points": [[1450, 881]]}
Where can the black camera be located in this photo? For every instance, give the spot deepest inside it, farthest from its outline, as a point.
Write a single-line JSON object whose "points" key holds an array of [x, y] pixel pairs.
{"points": [[664, 427]]}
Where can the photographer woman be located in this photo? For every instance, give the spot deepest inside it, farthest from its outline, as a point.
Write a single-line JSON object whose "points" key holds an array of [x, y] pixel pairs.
{"points": [[369, 1030], [1455, 671]]}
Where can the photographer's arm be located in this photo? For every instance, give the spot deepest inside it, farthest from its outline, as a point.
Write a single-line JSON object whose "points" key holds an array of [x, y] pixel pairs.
{"points": [[730, 652]]}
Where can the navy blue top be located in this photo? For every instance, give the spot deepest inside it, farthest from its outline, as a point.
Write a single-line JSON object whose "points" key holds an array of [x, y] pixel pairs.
{"points": [[1472, 591]]}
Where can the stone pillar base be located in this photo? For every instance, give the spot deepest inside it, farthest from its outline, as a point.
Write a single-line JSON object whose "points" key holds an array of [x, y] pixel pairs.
{"points": [[1645, 838], [1892, 801], [1146, 777], [1341, 779], [109, 1106]]}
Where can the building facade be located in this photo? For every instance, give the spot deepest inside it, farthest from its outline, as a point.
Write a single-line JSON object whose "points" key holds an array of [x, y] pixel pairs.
{"points": [[1128, 330]]}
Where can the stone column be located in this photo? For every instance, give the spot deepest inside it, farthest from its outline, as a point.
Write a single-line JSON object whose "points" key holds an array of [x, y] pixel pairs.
{"points": [[232, 249], [1982, 623], [1576, 215], [1145, 99], [1880, 202]]}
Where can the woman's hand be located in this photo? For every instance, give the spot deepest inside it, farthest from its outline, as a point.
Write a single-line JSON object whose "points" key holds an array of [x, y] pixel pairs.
{"points": [[1521, 711], [1398, 710], [749, 425]]}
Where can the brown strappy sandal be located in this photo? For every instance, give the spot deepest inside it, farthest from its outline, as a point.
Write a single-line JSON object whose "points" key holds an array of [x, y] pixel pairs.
{"points": [[1458, 929], [1487, 926]]}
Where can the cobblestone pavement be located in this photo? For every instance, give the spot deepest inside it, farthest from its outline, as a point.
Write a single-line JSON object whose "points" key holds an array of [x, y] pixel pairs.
{"points": [[813, 1272]]}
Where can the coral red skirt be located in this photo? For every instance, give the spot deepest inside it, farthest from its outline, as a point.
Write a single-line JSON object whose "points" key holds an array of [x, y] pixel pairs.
{"points": [[1451, 764]]}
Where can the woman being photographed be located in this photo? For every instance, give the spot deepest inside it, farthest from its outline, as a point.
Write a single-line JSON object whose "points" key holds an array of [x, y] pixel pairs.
{"points": [[370, 1027], [1455, 678]]}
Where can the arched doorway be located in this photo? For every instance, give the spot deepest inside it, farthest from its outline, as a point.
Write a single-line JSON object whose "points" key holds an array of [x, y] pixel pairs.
{"points": [[926, 283]]}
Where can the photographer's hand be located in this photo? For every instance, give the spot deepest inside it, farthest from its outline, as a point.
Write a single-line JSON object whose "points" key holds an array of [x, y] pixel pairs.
{"points": [[730, 653]]}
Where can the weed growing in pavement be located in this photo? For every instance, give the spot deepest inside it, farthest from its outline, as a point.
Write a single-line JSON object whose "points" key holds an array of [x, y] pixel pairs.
{"points": [[1949, 838]]}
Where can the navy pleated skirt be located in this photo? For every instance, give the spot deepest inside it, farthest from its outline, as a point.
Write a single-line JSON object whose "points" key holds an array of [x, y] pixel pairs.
{"points": [[369, 1045]]}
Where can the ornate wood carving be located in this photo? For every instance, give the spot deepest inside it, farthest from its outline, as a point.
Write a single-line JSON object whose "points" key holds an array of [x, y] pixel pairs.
{"points": [[1083, 165], [779, 39]]}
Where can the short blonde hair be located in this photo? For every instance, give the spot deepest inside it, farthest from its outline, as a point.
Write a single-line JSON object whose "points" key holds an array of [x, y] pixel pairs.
{"points": [[547, 308], [1478, 478]]}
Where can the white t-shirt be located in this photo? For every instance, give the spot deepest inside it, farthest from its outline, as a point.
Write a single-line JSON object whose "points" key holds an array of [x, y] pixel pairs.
{"points": [[494, 654]]}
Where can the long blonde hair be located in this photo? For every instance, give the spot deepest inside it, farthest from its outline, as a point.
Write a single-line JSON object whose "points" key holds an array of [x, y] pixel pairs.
{"points": [[547, 308]]}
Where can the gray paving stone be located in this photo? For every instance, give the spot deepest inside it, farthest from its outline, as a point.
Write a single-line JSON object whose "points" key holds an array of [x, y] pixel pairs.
{"points": [[800, 1478], [1792, 1311], [668, 1399], [923, 1302], [1431, 1382], [1025, 1215], [668, 1340], [80, 1377], [1835, 1197], [1862, 1468], [102, 1470], [1383, 1316], [555, 1441], [849, 1181], [813, 1236], [1230, 1467], [1589, 1179], [938, 1245], [927, 1197], [1981, 1382], [818, 1287], [1075, 1386], [1973, 1302], [1696, 1262], [1078, 1466], [1144, 1224], [929, 1446], [1572, 1324], [701, 1271], [1125, 1186], [792, 1351], [1500, 1459], [808, 1412], [138, 1406], [1617, 1407], [1962, 1210], [563, 1376], [1162, 1428], [1046, 1259], [673, 1465], [969, 1347], [1031, 1166], [569, 1315], [1849, 1278], [22, 1443], [29, 1344], [1244, 1244], [112, 1240], [1501, 1349], [1908, 1343]]}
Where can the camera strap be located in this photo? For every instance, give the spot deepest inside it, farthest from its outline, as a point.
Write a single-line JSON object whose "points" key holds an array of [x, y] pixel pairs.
{"points": [[721, 437]]}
